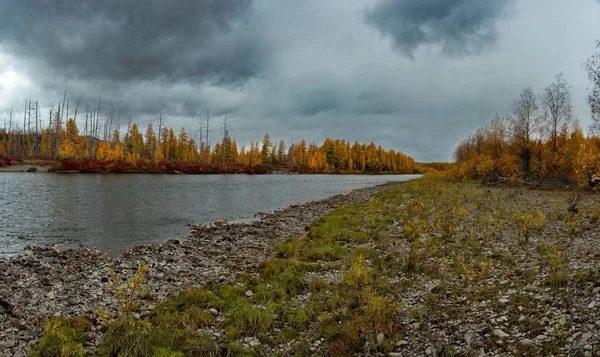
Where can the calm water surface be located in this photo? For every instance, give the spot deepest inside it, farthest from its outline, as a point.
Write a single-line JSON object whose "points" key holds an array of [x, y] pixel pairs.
{"points": [[116, 212]]}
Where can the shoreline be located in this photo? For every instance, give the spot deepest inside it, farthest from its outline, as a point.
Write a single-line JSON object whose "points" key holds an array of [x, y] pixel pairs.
{"points": [[171, 168], [74, 282]]}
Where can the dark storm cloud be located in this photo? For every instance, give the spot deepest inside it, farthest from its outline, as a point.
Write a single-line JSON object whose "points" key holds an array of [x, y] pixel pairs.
{"points": [[125, 40], [460, 27], [297, 69]]}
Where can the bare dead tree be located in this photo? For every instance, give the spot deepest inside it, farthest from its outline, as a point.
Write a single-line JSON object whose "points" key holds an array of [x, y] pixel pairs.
{"points": [[76, 108], [48, 150], [556, 101], [207, 121], [225, 140], [58, 131], [9, 133], [23, 137], [126, 141], [523, 124], [160, 122], [592, 66], [37, 112]]}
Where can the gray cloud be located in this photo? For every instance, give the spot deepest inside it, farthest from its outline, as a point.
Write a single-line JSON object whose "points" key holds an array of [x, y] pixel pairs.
{"points": [[297, 69], [125, 40], [460, 27]]}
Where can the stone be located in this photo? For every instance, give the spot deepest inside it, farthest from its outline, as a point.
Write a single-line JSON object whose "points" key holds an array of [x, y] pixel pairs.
{"points": [[401, 343], [525, 342], [9, 343], [469, 337], [380, 338], [586, 336], [249, 293], [395, 354], [591, 305], [214, 312], [499, 333], [503, 301]]}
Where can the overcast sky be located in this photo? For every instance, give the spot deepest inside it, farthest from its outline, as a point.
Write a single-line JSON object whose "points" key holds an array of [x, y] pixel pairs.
{"points": [[412, 75]]}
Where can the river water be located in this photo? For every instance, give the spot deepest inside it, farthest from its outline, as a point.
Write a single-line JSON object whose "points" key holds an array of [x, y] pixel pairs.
{"points": [[116, 212]]}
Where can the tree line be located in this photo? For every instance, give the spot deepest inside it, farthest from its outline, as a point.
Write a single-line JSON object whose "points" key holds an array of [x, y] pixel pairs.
{"points": [[65, 142], [539, 138]]}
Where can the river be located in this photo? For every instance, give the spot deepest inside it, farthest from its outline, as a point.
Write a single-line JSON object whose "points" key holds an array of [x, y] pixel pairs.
{"points": [[116, 212]]}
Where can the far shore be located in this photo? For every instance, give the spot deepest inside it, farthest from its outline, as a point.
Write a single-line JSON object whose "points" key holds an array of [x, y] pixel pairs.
{"points": [[116, 167]]}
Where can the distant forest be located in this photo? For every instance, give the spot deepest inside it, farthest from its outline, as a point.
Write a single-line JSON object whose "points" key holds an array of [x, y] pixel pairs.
{"points": [[142, 150]]}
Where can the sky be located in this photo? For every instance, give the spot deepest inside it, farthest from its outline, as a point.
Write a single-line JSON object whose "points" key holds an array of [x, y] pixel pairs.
{"points": [[411, 75]]}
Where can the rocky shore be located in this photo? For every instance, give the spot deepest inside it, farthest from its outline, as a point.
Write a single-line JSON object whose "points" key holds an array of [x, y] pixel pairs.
{"points": [[49, 283]]}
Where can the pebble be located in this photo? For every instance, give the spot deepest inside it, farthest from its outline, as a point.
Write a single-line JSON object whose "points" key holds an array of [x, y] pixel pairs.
{"points": [[401, 343], [503, 301], [380, 338], [500, 333], [249, 293], [525, 342]]}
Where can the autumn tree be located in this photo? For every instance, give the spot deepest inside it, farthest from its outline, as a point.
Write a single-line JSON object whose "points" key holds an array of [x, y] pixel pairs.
{"points": [[70, 138], [182, 150], [281, 154], [150, 142], [265, 152], [135, 144]]}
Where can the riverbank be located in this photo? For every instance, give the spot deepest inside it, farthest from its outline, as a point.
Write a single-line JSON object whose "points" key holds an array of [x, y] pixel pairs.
{"points": [[25, 166], [73, 283], [424, 268], [169, 167]]}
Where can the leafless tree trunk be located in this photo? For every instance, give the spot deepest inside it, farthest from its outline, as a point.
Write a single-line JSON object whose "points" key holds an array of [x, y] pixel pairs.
{"points": [[49, 151], [76, 108], [526, 116], [37, 112], [556, 100], [225, 141], [9, 133], [126, 141], [58, 131]]}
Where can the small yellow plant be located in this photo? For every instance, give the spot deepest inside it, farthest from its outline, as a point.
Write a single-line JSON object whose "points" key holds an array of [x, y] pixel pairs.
{"points": [[555, 262], [128, 293], [527, 224], [358, 274]]}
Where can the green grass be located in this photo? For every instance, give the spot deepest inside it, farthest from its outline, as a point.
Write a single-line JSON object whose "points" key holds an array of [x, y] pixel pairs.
{"points": [[63, 338], [346, 279]]}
